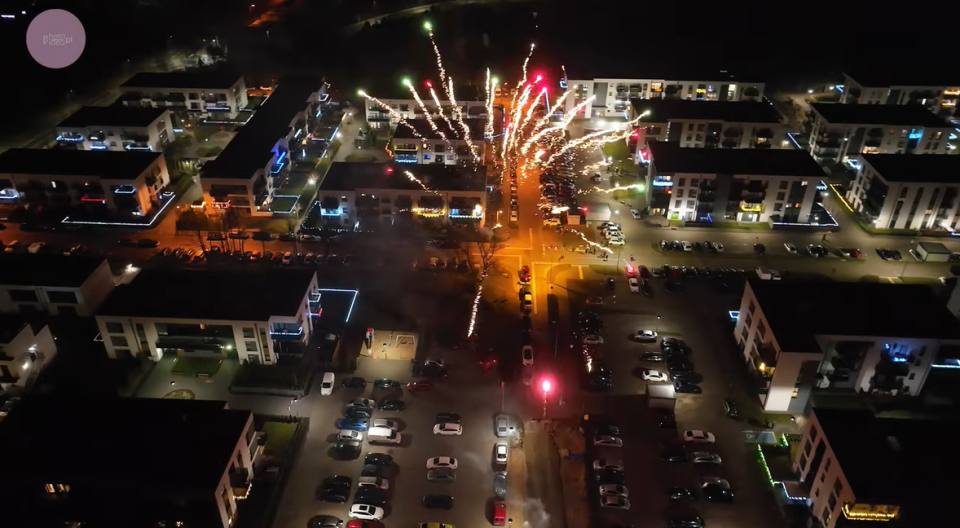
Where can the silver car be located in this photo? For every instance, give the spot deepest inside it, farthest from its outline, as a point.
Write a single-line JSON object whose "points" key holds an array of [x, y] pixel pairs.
{"points": [[500, 484], [442, 475]]}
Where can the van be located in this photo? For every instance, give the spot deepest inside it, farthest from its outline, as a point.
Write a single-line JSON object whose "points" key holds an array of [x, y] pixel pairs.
{"points": [[326, 385], [383, 435]]}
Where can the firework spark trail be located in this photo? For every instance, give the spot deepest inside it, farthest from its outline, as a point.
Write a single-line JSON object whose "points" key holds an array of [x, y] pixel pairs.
{"points": [[523, 80], [458, 113], [503, 148], [515, 117], [489, 104], [416, 180], [426, 112], [638, 186], [443, 116], [474, 310], [593, 139], [530, 110], [562, 126], [589, 242], [393, 113], [436, 51], [543, 121]]}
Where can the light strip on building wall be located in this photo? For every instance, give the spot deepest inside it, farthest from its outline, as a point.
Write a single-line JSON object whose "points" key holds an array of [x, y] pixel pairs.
{"points": [[793, 140], [352, 302], [844, 202], [66, 220]]}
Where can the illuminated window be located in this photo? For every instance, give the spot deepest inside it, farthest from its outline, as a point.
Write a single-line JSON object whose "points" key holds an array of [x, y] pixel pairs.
{"points": [[50, 489]]}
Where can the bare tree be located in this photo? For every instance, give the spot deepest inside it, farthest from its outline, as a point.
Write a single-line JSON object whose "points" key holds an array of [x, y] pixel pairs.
{"points": [[487, 247]]}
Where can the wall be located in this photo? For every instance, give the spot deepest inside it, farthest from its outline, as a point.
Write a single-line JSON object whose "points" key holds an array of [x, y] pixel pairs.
{"points": [[609, 102], [409, 109], [240, 460], [23, 348], [684, 186], [348, 200], [828, 475], [89, 295], [908, 193]]}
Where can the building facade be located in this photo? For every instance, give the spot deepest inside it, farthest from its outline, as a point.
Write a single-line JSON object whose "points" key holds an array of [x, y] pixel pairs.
{"points": [[53, 284], [843, 131], [209, 94], [355, 193], [612, 96], [844, 345], [473, 108], [939, 98], [130, 183], [702, 124], [415, 142], [218, 327], [247, 175], [116, 128], [907, 192], [743, 185], [23, 352]]}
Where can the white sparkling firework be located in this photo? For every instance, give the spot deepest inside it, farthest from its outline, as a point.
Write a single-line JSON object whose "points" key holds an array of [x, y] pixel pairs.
{"points": [[392, 112], [458, 114], [591, 243], [474, 310], [637, 186], [489, 104], [416, 180]]}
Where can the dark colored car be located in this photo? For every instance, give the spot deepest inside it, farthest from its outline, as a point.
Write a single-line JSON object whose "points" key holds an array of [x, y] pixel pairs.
{"points": [[666, 419], [358, 412], [681, 494], [611, 476], [369, 495], [675, 349], [651, 356], [388, 404], [377, 459], [686, 387], [730, 408], [611, 284], [348, 448], [716, 493], [147, 243], [384, 383], [438, 501], [760, 249], [673, 286], [335, 488], [324, 521], [354, 383], [373, 470], [447, 418]]}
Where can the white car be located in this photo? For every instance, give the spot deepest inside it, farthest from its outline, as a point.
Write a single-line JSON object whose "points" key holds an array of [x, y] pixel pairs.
{"points": [[366, 512], [607, 464], [790, 248], [592, 339], [607, 440], [635, 214], [374, 482], [634, 285], [514, 216], [614, 489], [364, 403], [699, 437], [647, 336], [619, 241], [442, 462], [36, 247], [527, 304], [434, 362], [382, 422], [552, 222], [614, 501], [654, 375], [350, 435], [527, 353], [448, 429], [326, 385], [501, 452], [687, 246], [718, 247], [703, 457]]}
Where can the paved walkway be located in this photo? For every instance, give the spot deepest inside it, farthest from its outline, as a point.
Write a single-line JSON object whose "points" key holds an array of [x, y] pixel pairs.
{"points": [[350, 132]]}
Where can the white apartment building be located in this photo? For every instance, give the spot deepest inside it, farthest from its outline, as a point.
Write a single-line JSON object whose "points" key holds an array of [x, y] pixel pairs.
{"points": [[129, 183], [613, 95], [801, 336], [861, 469], [246, 175], [54, 284], [907, 192], [416, 142], [116, 128], [353, 193], [841, 131], [250, 315], [471, 101], [211, 94], [23, 352], [895, 87], [703, 124], [743, 185]]}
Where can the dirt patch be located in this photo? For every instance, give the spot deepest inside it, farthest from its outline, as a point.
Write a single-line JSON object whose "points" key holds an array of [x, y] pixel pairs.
{"points": [[568, 440]]}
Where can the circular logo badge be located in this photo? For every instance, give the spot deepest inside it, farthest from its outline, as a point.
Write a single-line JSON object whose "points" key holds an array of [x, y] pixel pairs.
{"points": [[56, 38]]}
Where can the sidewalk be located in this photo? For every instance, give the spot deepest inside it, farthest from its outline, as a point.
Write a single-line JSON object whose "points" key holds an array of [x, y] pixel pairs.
{"points": [[350, 132]]}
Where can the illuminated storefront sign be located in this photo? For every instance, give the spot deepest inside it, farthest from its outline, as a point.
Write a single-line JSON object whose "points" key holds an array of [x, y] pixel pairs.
{"points": [[869, 512]]}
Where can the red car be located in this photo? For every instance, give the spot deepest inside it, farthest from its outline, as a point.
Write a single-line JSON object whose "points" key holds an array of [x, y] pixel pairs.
{"points": [[499, 513], [357, 523], [525, 274], [419, 386], [488, 362], [631, 271]]}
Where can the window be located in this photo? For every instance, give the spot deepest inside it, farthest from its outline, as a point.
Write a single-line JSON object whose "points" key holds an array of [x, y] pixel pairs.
{"points": [[404, 108], [64, 297], [813, 433], [826, 515], [678, 204], [752, 306], [118, 341], [913, 374], [762, 329], [749, 321], [923, 350], [816, 492], [837, 486], [682, 182], [784, 184], [693, 193], [50, 489], [691, 204], [689, 138], [694, 182], [803, 462], [781, 196], [251, 345], [23, 296], [679, 193], [807, 447], [114, 328], [832, 502], [826, 467], [193, 95], [248, 333], [778, 207], [701, 127], [690, 128]]}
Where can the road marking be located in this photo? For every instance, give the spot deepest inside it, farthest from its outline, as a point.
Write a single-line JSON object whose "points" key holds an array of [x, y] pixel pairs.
{"points": [[531, 238], [580, 269], [533, 288]]}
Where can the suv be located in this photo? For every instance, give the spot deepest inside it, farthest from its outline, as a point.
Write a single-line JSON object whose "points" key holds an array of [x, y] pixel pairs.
{"points": [[730, 408]]}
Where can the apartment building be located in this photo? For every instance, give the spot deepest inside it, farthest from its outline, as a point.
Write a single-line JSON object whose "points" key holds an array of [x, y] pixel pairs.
{"points": [[246, 175], [799, 336], [936, 89], [841, 131], [907, 192], [704, 124], [376, 192], [860, 469], [24, 351], [743, 185], [416, 142], [471, 101], [211, 94], [250, 315], [116, 128], [613, 95], [126, 183], [107, 475], [48, 283]]}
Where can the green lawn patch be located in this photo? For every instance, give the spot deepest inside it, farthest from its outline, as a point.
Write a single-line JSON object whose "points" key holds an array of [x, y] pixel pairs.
{"points": [[618, 150], [283, 204], [209, 151], [361, 157], [279, 436], [194, 367], [925, 281], [753, 226]]}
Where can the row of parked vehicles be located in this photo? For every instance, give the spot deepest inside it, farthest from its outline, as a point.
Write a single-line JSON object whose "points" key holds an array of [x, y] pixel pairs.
{"points": [[557, 191], [279, 257]]}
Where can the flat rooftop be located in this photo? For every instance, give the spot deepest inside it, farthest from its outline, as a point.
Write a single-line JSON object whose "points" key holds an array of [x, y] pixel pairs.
{"points": [[47, 269], [108, 436], [878, 456], [884, 76], [665, 110], [798, 310], [928, 168], [113, 116], [107, 164], [185, 80], [203, 294], [672, 158], [425, 130], [389, 87], [252, 147], [346, 176], [879, 115], [617, 69]]}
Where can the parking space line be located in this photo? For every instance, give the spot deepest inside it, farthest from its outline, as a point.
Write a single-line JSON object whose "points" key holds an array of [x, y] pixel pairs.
{"points": [[533, 287], [580, 269]]}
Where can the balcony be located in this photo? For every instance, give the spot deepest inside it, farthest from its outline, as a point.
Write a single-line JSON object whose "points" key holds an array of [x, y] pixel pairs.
{"points": [[405, 147], [286, 332], [765, 133], [193, 345], [730, 143], [70, 137], [751, 91], [828, 143], [751, 207], [240, 482]]}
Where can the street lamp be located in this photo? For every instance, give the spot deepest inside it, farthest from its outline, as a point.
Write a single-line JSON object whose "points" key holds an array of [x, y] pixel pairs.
{"points": [[658, 325]]}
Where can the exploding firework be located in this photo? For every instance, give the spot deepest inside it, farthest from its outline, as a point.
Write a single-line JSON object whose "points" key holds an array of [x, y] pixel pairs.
{"points": [[416, 180], [393, 113], [589, 242], [617, 187]]}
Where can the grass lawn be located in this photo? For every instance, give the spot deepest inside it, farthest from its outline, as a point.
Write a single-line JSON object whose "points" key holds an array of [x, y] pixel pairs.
{"points": [[361, 157], [195, 366], [279, 436], [283, 204], [753, 226], [618, 150], [272, 225], [926, 281]]}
